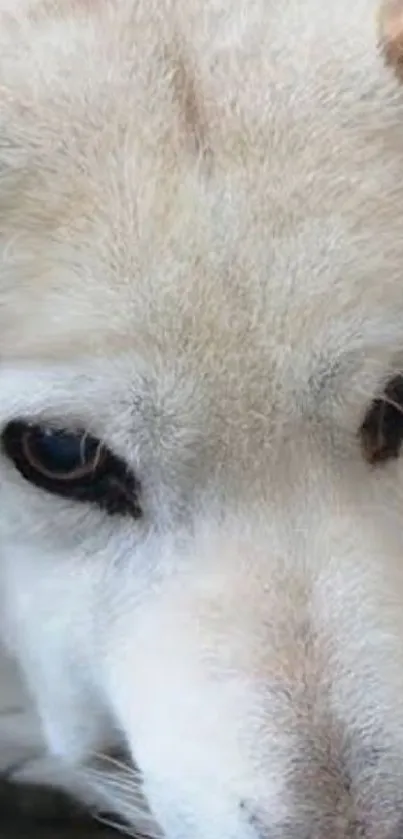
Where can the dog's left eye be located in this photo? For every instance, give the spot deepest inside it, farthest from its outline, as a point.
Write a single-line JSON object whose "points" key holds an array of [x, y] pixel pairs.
{"points": [[382, 430], [72, 465]]}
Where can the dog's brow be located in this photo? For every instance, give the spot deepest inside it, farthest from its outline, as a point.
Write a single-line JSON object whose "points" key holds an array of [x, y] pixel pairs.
{"points": [[325, 374]]}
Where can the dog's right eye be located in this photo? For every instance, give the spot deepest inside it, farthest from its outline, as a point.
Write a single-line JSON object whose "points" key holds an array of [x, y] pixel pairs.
{"points": [[73, 465]]}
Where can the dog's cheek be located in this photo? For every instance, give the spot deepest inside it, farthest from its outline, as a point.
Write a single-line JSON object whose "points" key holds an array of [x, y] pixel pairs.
{"points": [[391, 34]]}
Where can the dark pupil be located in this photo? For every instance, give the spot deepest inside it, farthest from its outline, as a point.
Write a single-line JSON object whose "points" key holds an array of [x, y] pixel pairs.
{"points": [[62, 453]]}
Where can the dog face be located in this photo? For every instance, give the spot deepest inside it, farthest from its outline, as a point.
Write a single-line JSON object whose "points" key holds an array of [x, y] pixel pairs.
{"points": [[201, 331]]}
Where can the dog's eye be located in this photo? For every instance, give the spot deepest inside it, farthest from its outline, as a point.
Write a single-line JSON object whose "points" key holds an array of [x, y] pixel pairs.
{"points": [[72, 465], [382, 429]]}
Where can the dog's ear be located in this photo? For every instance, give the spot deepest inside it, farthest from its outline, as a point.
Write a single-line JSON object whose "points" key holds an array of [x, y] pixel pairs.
{"points": [[391, 33]]}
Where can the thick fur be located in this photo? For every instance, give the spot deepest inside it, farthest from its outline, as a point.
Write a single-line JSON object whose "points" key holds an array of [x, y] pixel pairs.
{"points": [[201, 239]]}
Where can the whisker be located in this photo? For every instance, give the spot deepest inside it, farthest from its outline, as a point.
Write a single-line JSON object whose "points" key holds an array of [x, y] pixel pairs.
{"points": [[125, 829], [117, 784], [136, 824], [388, 401], [103, 757], [122, 788]]}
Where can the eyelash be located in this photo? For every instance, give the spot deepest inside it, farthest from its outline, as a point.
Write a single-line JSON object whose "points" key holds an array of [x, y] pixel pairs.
{"points": [[96, 476]]}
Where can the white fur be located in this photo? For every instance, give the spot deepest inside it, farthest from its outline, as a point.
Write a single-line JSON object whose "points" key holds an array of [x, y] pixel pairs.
{"points": [[201, 263]]}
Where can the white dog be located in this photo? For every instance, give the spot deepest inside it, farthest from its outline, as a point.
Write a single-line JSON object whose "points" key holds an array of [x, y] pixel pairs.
{"points": [[201, 341]]}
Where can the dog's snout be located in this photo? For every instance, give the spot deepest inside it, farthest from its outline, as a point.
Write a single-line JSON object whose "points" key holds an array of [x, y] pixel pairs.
{"points": [[260, 828], [354, 794]]}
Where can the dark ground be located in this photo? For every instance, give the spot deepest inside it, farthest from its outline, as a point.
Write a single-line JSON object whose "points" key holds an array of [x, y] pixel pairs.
{"points": [[40, 813]]}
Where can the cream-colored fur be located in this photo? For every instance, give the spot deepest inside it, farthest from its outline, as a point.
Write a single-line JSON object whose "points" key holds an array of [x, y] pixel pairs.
{"points": [[201, 259]]}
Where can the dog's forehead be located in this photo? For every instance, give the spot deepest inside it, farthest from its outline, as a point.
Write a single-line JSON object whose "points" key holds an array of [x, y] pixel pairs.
{"points": [[218, 206]]}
